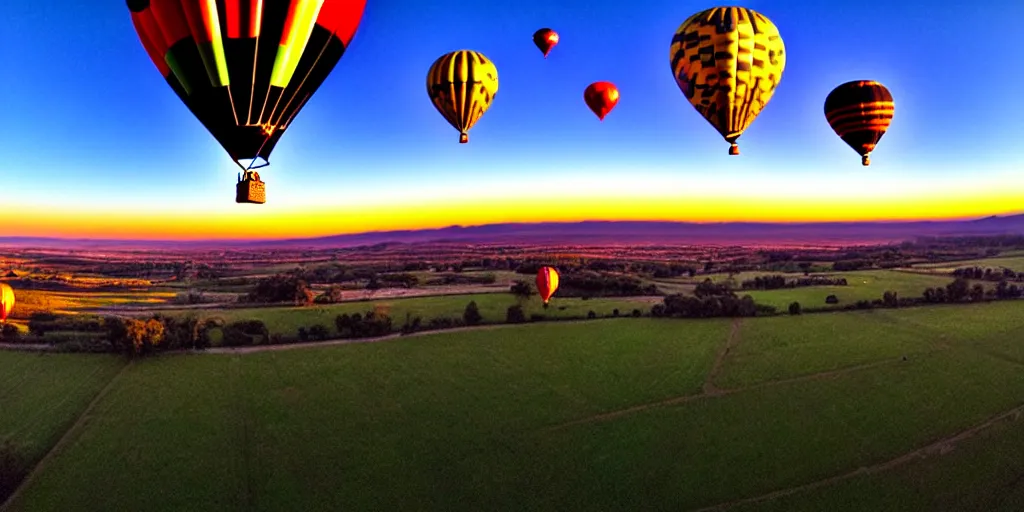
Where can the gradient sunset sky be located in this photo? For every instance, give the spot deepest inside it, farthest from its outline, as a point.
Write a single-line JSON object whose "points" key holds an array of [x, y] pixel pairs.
{"points": [[96, 145]]}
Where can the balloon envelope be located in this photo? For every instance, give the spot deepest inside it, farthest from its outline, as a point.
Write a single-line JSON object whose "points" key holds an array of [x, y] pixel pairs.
{"points": [[547, 283], [245, 68], [728, 61], [545, 39], [461, 85], [601, 97], [860, 112], [6, 301]]}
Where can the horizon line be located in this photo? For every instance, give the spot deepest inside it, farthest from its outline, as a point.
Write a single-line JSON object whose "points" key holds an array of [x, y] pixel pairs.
{"points": [[538, 223]]}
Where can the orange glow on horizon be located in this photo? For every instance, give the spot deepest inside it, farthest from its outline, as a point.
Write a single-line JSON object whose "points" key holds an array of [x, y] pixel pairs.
{"points": [[277, 222]]}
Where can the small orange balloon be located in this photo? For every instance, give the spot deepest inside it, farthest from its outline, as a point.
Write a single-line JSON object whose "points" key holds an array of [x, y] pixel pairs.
{"points": [[601, 97], [545, 39]]}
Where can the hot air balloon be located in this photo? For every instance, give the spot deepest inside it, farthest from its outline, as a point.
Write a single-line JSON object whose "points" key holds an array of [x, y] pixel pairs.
{"points": [[860, 113], [547, 283], [601, 97], [461, 85], [245, 68], [728, 62], [545, 39], [6, 301]]}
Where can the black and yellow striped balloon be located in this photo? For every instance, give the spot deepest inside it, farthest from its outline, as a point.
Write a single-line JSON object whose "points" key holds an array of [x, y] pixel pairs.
{"points": [[860, 112], [462, 84], [728, 62]]}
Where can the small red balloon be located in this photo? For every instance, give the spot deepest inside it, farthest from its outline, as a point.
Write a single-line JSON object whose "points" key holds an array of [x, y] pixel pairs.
{"points": [[601, 97], [545, 39]]}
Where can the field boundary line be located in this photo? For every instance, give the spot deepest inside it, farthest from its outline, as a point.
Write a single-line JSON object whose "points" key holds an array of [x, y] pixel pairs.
{"points": [[64, 440], [730, 343], [605, 416], [938, 447]]}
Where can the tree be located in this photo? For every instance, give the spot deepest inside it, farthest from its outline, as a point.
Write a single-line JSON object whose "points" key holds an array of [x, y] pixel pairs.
{"points": [[319, 332], [958, 290], [245, 332], [133, 336], [514, 314], [521, 289], [9, 333], [472, 314], [794, 308], [978, 292]]}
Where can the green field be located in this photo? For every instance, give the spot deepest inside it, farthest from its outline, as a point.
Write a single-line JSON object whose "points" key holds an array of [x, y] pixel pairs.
{"points": [[287, 320], [510, 418], [42, 395], [861, 285], [1015, 263]]}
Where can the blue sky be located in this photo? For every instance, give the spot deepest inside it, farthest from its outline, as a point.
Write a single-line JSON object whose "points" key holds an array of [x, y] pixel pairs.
{"points": [[86, 112]]}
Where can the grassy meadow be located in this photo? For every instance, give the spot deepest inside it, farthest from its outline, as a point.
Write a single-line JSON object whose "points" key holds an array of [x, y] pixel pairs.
{"points": [[861, 285], [287, 320], [1014, 263], [612, 414]]}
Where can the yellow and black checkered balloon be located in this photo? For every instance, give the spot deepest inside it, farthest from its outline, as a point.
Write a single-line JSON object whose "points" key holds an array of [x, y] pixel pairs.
{"points": [[728, 62]]}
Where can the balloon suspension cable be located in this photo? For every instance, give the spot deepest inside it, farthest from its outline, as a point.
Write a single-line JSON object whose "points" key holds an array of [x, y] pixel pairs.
{"points": [[265, 141], [463, 138], [734, 149], [865, 160]]}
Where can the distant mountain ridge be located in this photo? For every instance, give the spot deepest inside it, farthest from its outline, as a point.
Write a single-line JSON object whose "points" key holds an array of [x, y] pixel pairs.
{"points": [[594, 232]]}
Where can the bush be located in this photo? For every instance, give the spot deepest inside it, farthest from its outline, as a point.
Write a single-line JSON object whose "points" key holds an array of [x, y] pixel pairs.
{"points": [[9, 333], [303, 335], [637, 313], [658, 310], [794, 308], [537, 317], [245, 332], [443, 323], [615, 312], [319, 332], [831, 299], [412, 325], [514, 314], [472, 314], [591, 314]]}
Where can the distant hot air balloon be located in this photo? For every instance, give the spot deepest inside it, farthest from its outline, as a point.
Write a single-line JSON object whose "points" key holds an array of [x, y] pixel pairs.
{"points": [[462, 84], [245, 68], [860, 112], [6, 301], [601, 97], [547, 283], [728, 62], [545, 39]]}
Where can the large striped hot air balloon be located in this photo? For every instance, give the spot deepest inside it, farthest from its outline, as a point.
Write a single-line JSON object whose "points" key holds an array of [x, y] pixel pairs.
{"points": [[547, 283], [245, 68], [860, 112], [6, 301], [728, 61], [461, 85]]}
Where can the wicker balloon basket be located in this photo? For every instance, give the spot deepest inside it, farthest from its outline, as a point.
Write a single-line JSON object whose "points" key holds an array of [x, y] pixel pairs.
{"points": [[250, 189]]}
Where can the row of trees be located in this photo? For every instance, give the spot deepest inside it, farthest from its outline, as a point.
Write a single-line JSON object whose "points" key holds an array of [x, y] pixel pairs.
{"points": [[779, 281], [989, 274]]}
